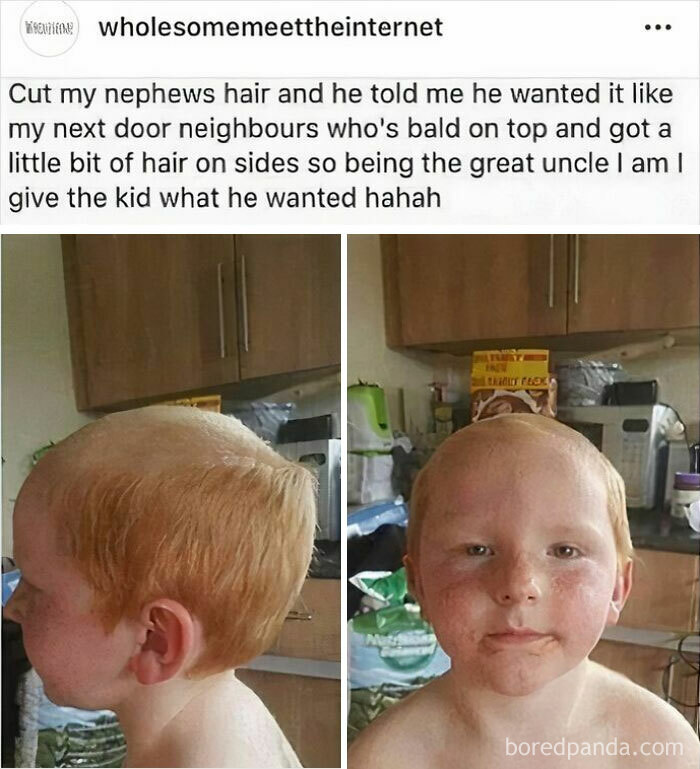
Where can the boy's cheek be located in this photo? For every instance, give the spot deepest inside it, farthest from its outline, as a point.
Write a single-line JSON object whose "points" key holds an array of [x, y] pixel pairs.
{"points": [[454, 606], [580, 606]]}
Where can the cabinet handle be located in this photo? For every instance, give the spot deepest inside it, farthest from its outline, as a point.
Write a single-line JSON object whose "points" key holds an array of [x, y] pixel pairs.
{"points": [[299, 615], [306, 615], [220, 290], [550, 296], [244, 303], [577, 265]]}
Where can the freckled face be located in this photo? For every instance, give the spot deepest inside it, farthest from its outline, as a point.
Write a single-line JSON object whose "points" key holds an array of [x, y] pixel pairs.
{"points": [[79, 664], [517, 563]]}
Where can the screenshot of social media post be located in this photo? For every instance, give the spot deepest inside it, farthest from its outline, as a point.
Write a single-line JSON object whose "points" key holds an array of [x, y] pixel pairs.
{"points": [[415, 113]]}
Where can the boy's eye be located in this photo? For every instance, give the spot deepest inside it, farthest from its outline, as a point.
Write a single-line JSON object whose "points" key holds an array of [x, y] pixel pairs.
{"points": [[565, 552], [479, 550]]}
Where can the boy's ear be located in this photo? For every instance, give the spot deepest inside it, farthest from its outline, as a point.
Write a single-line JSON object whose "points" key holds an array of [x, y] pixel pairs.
{"points": [[415, 587], [166, 641], [623, 585]]}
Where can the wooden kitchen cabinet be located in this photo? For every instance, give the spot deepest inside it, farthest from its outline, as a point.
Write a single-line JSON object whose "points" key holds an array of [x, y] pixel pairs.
{"points": [[290, 303], [664, 593], [662, 671], [306, 707], [448, 288], [315, 634], [150, 315], [465, 292], [307, 710], [153, 316], [633, 282], [664, 597]]}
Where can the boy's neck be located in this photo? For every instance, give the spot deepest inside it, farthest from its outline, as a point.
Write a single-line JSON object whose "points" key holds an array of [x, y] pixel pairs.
{"points": [[554, 709], [148, 713]]}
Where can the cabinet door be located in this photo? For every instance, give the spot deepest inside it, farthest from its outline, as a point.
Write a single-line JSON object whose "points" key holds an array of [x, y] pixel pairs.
{"points": [[662, 671], [451, 288], [150, 315], [664, 592], [290, 303], [633, 282], [307, 710], [313, 630]]}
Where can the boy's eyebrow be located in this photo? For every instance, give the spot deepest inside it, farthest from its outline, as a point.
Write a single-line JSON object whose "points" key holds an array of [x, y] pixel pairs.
{"points": [[577, 528]]}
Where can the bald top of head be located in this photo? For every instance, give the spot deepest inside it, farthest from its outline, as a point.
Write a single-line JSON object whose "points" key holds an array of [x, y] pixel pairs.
{"points": [[156, 438]]}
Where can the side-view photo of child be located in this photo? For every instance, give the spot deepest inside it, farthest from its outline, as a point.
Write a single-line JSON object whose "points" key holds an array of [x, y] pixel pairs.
{"points": [[520, 555], [160, 549]]}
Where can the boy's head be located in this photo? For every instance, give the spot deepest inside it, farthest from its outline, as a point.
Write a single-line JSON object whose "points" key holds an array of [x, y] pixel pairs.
{"points": [[518, 550], [155, 542]]}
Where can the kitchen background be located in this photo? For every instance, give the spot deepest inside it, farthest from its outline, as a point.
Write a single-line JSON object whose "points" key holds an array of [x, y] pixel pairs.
{"points": [[418, 306], [98, 323]]}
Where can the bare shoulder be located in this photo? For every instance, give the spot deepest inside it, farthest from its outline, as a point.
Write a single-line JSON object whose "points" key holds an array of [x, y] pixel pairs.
{"points": [[409, 733], [233, 728], [646, 722]]}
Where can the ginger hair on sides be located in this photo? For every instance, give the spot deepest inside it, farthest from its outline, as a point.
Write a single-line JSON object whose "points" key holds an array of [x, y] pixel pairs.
{"points": [[230, 538], [524, 425]]}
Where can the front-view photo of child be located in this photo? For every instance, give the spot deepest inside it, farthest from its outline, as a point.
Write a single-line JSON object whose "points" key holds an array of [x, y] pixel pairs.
{"points": [[519, 554], [160, 549]]}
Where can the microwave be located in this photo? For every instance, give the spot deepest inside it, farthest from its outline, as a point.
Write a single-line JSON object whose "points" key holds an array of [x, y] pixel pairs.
{"points": [[634, 439]]}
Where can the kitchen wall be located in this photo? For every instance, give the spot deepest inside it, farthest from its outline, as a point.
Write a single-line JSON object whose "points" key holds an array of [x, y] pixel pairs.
{"points": [[677, 369], [37, 386]]}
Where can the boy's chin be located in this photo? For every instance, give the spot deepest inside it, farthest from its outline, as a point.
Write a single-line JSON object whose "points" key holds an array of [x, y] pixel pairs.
{"points": [[520, 680]]}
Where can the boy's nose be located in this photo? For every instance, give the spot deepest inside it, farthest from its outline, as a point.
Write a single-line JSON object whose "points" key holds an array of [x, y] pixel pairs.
{"points": [[520, 585]]}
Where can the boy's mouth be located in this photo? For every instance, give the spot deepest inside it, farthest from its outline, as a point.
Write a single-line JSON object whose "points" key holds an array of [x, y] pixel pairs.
{"points": [[521, 636]]}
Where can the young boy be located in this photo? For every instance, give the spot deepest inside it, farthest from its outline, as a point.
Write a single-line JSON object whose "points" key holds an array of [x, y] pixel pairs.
{"points": [[160, 549], [519, 554]]}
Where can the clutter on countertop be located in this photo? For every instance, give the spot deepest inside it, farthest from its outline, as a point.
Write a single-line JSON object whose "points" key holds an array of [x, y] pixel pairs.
{"points": [[262, 417], [365, 519], [325, 563], [381, 550], [583, 382], [393, 650], [370, 464], [685, 502], [657, 530], [203, 402], [512, 381]]}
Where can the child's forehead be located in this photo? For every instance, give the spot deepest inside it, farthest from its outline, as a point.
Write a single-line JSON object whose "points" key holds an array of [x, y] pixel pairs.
{"points": [[508, 453], [548, 480]]}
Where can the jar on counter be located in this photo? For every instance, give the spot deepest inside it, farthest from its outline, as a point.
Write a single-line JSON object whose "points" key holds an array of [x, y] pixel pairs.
{"points": [[686, 493]]}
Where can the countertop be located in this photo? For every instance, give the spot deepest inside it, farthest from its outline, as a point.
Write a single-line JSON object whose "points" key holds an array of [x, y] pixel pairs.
{"points": [[656, 530]]}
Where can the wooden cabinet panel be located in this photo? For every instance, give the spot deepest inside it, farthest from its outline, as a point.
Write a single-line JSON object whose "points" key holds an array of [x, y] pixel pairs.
{"points": [[634, 282], [290, 303], [456, 287], [453, 292], [150, 315], [659, 670], [664, 592], [319, 637], [307, 710]]}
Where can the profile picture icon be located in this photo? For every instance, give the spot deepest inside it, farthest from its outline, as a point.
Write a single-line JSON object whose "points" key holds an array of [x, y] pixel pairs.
{"points": [[49, 27]]}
